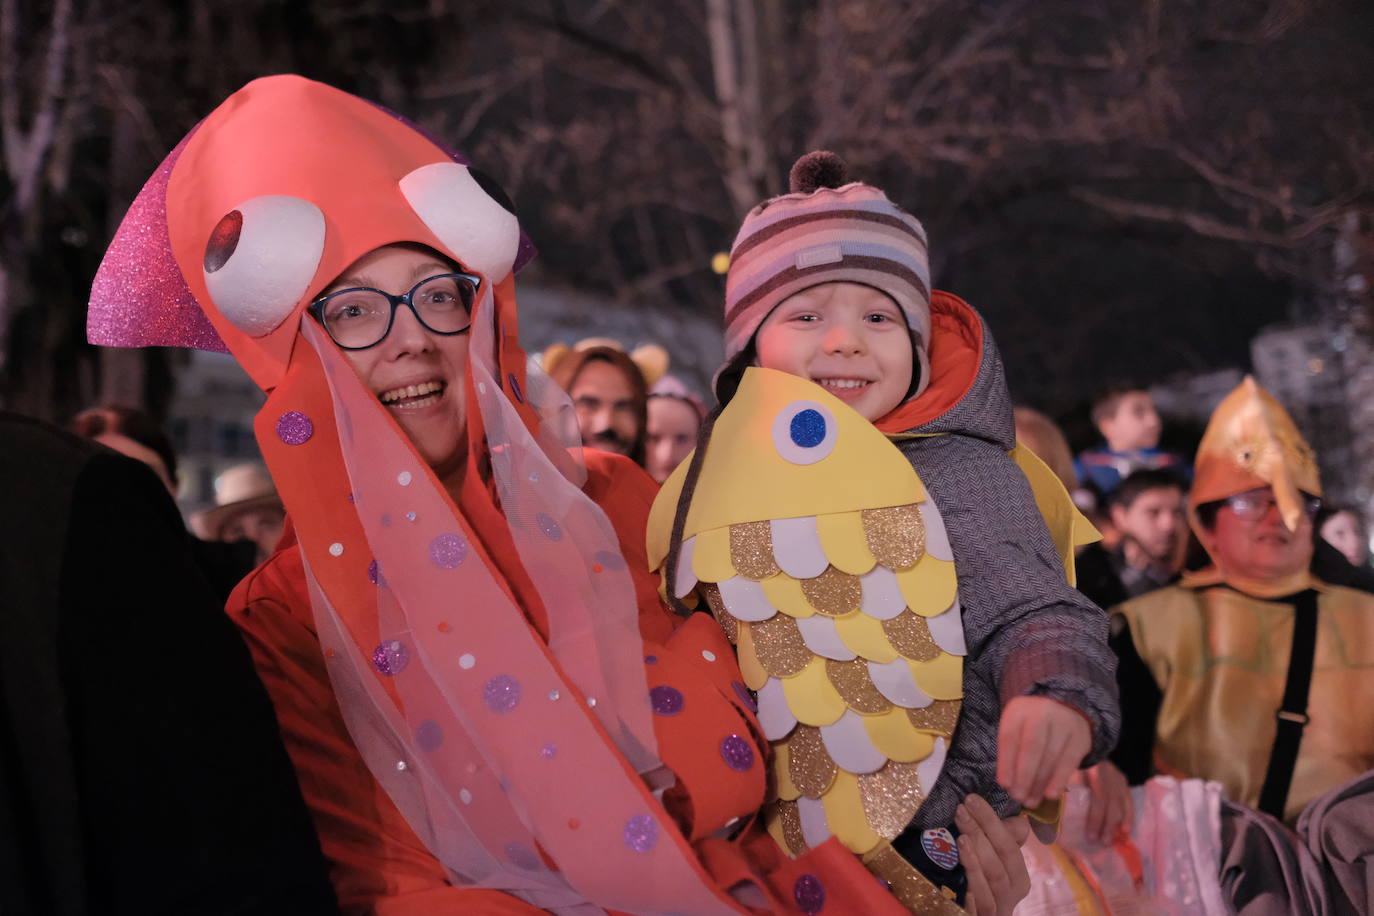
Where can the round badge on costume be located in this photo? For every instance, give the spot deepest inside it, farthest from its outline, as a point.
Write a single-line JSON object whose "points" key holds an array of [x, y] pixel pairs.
{"points": [[939, 845]]}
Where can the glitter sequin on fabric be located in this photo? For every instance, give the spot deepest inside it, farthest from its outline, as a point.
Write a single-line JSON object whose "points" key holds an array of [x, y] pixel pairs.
{"points": [[890, 798], [139, 297], [294, 428], [515, 389], [501, 693], [833, 592], [807, 428], [641, 833], [745, 696], [429, 735], [609, 559], [896, 537], [727, 622], [809, 894], [910, 636], [751, 550], [667, 701], [374, 573], [779, 646], [737, 753], [550, 527], [791, 827], [852, 682], [522, 857], [809, 763], [447, 550], [390, 658], [940, 716], [548, 751], [913, 889]]}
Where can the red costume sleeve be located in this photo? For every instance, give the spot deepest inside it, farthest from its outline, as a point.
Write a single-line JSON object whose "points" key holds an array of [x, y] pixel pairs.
{"points": [[377, 864]]}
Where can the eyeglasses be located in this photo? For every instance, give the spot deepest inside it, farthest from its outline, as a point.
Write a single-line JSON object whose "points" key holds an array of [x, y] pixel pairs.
{"points": [[1255, 504], [361, 317]]}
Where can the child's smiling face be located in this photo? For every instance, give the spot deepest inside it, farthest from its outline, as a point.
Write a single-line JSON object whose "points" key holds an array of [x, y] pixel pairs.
{"points": [[850, 339]]}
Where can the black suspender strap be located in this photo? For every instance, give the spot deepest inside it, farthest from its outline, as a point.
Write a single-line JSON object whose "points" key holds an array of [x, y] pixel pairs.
{"points": [[1292, 714]]}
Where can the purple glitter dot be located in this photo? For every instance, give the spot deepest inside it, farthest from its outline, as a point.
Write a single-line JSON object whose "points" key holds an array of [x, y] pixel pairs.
{"points": [[641, 833], [429, 735], [667, 701], [294, 428], [745, 696], [548, 751], [390, 657], [521, 857], [737, 753], [501, 693], [374, 574], [651, 659], [515, 389], [386, 520], [610, 559], [809, 894], [448, 550], [549, 527]]}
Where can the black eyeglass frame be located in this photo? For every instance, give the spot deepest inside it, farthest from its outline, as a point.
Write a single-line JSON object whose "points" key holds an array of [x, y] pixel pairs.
{"points": [[316, 308]]}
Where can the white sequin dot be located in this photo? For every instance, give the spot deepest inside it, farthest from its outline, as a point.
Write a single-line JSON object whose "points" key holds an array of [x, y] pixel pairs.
{"points": [[466, 661], [708, 655], [411, 516], [403, 478], [554, 694], [401, 765], [465, 796], [336, 549], [481, 387], [591, 701]]}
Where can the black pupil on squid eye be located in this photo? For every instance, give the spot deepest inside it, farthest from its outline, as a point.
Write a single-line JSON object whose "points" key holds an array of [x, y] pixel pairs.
{"points": [[492, 189], [223, 240]]}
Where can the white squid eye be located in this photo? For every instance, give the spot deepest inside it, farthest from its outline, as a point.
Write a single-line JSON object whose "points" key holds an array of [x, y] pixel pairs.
{"points": [[260, 260], [804, 432], [469, 213]]}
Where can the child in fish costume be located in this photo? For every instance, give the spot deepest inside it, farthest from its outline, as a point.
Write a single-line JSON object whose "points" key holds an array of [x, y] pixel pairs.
{"points": [[876, 545]]}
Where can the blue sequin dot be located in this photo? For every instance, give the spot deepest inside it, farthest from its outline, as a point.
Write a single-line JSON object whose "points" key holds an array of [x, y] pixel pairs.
{"points": [[501, 693], [809, 894], [429, 735], [667, 701], [641, 833], [550, 527], [390, 657], [808, 428]]}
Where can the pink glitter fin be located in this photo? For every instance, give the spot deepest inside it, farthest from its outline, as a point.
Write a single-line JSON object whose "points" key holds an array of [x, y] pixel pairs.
{"points": [[139, 298]]}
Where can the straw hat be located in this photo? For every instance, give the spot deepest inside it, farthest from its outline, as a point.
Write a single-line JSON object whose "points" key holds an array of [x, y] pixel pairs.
{"points": [[239, 489]]}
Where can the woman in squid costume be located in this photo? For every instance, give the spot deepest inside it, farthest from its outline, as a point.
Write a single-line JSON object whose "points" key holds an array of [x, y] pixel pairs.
{"points": [[458, 629]]}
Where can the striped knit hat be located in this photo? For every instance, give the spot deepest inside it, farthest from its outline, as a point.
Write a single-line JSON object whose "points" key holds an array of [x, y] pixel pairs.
{"points": [[824, 231]]}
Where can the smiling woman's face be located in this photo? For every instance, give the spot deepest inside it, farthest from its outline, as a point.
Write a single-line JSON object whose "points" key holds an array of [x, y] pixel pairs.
{"points": [[417, 374]]}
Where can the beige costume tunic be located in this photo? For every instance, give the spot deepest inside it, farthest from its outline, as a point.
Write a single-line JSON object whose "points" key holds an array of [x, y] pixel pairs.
{"points": [[1220, 660]]}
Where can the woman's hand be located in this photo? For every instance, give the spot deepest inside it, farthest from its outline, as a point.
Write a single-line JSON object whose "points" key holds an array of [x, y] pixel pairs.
{"points": [[1110, 807], [991, 852]]}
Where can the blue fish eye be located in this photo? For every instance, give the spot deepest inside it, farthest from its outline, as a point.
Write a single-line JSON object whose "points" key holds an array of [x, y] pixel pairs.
{"points": [[807, 428]]}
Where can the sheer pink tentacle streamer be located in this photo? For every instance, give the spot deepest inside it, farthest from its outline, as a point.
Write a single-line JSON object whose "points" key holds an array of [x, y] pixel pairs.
{"points": [[484, 706], [572, 555]]}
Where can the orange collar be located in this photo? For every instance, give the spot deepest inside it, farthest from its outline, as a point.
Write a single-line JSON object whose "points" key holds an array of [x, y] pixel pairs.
{"points": [[956, 352]]}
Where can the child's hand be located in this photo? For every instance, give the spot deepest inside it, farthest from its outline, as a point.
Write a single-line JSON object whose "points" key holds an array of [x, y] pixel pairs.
{"points": [[1040, 743]]}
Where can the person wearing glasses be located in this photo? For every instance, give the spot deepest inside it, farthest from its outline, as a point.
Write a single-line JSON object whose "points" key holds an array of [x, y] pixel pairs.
{"points": [[488, 707], [1252, 671]]}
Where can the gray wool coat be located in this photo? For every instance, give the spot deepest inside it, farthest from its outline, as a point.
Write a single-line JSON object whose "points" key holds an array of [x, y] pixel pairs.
{"points": [[1029, 633]]}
